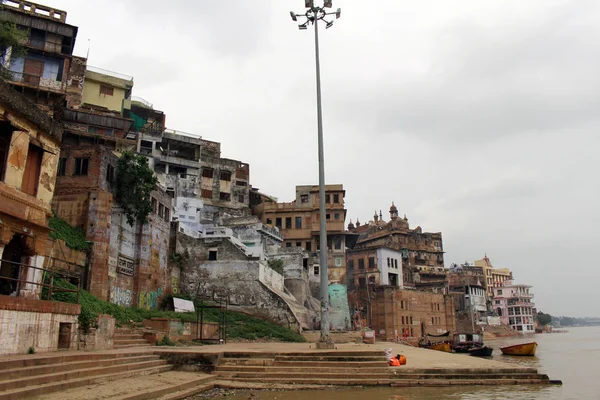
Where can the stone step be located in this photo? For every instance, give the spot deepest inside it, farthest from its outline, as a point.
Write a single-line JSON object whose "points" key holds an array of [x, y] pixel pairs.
{"points": [[372, 375], [336, 353], [329, 364], [270, 369], [78, 373], [23, 362], [247, 361], [392, 382], [130, 341], [331, 358], [123, 346], [42, 389], [186, 393], [128, 336], [26, 372]]}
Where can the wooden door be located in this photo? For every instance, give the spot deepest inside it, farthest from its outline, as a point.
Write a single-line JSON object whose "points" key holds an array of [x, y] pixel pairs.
{"points": [[32, 71], [33, 165]]}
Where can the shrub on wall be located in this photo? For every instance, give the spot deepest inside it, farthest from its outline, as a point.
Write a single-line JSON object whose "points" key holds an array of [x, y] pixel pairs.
{"points": [[73, 237], [135, 182]]}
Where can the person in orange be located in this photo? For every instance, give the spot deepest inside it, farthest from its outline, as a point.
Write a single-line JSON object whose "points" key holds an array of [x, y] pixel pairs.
{"points": [[397, 361]]}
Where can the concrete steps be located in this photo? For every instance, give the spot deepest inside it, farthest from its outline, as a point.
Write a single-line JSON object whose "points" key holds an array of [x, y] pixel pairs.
{"points": [[357, 369], [129, 337], [54, 374]]}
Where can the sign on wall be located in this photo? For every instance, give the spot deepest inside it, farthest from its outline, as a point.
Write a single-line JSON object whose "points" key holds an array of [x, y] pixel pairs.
{"points": [[125, 266]]}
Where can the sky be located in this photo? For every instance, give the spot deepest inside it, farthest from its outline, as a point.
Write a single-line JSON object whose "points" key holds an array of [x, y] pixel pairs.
{"points": [[479, 119]]}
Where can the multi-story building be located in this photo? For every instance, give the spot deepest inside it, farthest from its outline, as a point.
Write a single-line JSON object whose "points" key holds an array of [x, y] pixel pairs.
{"points": [[298, 221], [514, 304], [29, 148], [44, 74], [494, 277], [382, 266], [422, 261]]}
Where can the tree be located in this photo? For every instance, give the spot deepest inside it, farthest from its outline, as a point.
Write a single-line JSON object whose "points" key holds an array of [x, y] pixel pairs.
{"points": [[135, 182], [11, 38], [543, 319]]}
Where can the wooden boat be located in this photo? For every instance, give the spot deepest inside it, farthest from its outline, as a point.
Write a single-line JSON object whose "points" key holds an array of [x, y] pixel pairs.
{"points": [[525, 349], [463, 342], [441, 346], [482, 351]]}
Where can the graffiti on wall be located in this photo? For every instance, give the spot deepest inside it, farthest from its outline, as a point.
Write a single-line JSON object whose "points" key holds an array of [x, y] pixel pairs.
{"points": [[149, 300], [122, 297], [174, 285]]}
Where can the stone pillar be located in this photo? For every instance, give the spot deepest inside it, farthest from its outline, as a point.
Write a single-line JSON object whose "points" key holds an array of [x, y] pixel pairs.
{"points": [[34, 276]]}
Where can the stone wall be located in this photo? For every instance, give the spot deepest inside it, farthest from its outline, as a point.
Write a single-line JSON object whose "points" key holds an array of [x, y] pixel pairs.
{"points": [[27, 322], [177, 330], [100, 338]]}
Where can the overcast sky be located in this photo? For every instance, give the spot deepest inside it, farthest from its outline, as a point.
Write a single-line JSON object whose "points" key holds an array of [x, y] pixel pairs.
{"points": [[479, 119]]}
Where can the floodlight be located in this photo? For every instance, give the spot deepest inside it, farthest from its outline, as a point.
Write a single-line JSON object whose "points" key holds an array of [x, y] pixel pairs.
{"points": [[303, 26], [293, 15], [329, 25], [309, 3], [338, 13], [327, 4]]}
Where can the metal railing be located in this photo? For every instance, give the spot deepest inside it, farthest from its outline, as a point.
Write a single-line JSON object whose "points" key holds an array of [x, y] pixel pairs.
{"points": [[19, 286]]}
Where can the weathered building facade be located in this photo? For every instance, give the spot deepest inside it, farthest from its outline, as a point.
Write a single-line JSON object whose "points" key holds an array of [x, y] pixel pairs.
{"points": [[494, 277]]}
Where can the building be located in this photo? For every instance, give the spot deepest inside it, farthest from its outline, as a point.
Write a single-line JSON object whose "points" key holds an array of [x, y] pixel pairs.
{"points": [[29, 157], [45, 74], [494, 277], [382, 266], [422, 254], [394, 313], [514, 304], [298, 221], [106, 90]]}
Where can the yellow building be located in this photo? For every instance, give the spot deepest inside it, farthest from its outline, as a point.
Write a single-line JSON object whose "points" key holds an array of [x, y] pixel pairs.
{"points": [[106, 89], [494, 277]]}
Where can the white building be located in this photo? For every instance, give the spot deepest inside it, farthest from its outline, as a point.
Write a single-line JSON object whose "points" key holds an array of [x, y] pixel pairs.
{"points": [[389, 264], [514, 304]]}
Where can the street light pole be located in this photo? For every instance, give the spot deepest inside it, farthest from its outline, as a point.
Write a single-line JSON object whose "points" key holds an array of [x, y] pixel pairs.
{"points": [[314, 15]]}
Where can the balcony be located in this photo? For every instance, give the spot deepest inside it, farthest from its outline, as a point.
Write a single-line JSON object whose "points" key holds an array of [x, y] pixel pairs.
{"points": [[37, 82], [174, 160]]}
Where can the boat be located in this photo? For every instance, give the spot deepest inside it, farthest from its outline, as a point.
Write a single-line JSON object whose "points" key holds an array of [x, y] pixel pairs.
{"points": [[463, 342], [441, 346], [525, 349], [483, 351]]}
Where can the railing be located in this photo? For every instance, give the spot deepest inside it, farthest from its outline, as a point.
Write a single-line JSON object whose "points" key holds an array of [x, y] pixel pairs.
{"points": [[109, 73], [143, 101], [36, 80], [18, 286]]}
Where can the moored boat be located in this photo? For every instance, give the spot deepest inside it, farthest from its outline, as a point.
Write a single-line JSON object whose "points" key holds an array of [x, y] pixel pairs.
{"points": [[441, 346], [525, 349], [463, 342], [483, 351]]}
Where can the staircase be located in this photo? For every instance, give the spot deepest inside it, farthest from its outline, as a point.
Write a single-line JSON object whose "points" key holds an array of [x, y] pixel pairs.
{"points": [[129, 337], [365, 368], [36, 376]]}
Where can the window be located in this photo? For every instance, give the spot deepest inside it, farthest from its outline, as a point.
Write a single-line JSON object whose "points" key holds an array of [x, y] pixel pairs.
{"points": [[154, 205], [225, 196], [212, 254], [308, 246], [161, 210], [106, 90], [338, 262], [205, 193], [298, 244], [241, 198], [37, 38], [327, 198], [338, 244], [110, 173], [288, 223], [336, 198], [241, 183], [298, 222], [225, 176], [303, 198], [316, 270], [81, 166], [278, 222], [33, 166], [327, 217], [350, 264], [167, 215], [288, 244], [371, 262], [361, 264], [62, 167], [207, 172], [388, 262], [362, 282], [499, 292], [336, 216], [396, 262]]}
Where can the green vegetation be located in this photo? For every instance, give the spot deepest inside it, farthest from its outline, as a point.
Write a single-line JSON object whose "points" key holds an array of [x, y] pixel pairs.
{"points": [[73, 237], [276, 265], [239, 325], [543, 319], [31, 350], [135, 181], [165, 342], [10, 38]]}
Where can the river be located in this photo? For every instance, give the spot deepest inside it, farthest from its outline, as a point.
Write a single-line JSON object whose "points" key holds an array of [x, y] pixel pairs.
{"points": [[572, 357]]}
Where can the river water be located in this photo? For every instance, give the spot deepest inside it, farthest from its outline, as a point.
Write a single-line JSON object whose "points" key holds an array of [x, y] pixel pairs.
{"points": [[572, 357]]}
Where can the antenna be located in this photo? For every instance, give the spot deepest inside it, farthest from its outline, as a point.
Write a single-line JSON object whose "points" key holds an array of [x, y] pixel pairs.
{"points": [[88, 50]]}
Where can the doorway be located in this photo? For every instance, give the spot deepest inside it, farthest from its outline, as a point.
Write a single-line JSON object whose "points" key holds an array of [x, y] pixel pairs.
{"points": [[12, 268], [64, 335]]}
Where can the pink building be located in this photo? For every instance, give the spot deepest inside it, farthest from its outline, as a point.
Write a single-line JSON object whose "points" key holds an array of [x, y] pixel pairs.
{"points": [[514, 304]]}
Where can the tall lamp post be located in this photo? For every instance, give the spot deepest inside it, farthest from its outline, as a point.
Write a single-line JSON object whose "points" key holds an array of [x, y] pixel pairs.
{"points": [[313, 15]]}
